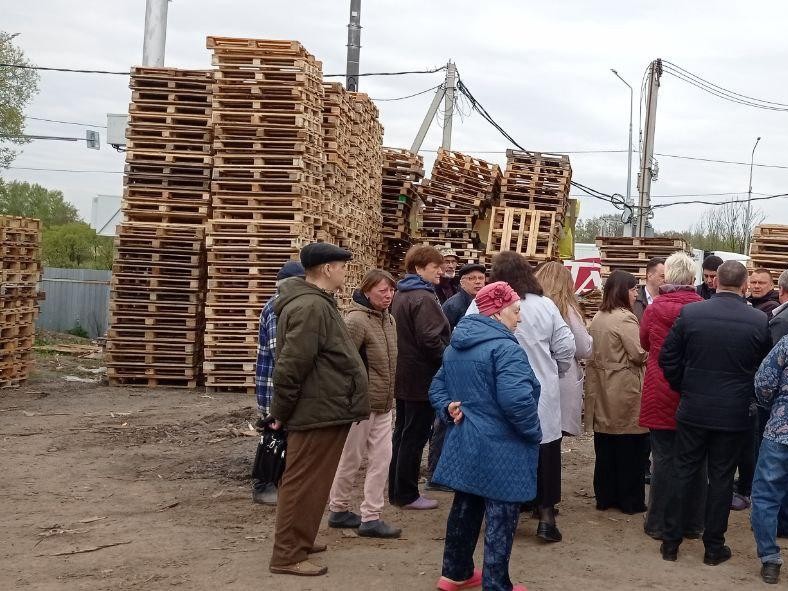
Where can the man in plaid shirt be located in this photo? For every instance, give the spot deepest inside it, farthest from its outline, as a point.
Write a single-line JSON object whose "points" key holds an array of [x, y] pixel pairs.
{"points": [[265, 493]]}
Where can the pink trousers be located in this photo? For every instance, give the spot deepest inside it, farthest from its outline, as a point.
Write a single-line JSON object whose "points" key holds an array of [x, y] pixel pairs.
{"points": [[370, 438]]}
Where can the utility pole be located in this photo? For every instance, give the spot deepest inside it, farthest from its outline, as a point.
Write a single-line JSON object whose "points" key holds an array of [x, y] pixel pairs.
{"points": [[748, 219], [448, 105], [628, 225], [646, 167], [353, 46], [155, 33]]}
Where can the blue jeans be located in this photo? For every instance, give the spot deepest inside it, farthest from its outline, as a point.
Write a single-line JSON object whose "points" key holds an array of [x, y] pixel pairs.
{"points": [[462, 533], [770, 498]]}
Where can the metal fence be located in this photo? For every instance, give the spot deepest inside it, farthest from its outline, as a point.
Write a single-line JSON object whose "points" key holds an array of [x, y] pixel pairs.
{"points": [[75, 297]]}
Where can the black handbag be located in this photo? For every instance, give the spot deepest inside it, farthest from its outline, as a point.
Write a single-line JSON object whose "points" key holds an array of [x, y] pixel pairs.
{"points": [[269, 461]]}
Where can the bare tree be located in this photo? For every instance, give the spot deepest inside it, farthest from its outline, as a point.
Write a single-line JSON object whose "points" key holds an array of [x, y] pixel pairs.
{"points": [[722, 227]]}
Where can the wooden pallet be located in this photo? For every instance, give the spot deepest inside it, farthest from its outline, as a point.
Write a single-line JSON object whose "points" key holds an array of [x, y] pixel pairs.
{"points": [[632, 254], [530, 232]]}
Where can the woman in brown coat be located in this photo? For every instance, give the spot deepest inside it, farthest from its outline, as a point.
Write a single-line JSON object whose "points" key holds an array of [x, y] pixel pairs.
{"points": [[614, 381], [374, 333]]}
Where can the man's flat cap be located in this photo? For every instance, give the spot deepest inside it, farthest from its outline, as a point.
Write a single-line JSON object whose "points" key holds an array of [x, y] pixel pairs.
{"points": [[320, 253]]}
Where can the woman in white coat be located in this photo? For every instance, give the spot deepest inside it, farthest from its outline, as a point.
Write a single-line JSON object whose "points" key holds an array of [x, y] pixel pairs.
{"points": [[556, 281], [550, 346]]}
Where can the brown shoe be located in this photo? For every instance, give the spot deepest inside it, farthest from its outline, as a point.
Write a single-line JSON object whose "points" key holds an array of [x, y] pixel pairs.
{"points": [[301, 569], [317, 549]]}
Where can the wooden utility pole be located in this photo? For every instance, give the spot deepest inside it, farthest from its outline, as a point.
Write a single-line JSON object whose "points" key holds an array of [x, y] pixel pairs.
{"points": [[647, 151]]}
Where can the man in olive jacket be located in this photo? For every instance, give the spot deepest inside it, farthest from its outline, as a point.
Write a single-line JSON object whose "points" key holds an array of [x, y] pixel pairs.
{"points": [[320, 388]]}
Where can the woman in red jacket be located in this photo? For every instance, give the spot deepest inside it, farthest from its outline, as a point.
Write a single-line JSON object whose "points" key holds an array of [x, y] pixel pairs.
{"points": [[659, 403]]}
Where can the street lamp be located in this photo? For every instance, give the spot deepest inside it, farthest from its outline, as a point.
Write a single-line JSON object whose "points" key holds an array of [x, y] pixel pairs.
{"points": [[749, 201], [629, 145]]}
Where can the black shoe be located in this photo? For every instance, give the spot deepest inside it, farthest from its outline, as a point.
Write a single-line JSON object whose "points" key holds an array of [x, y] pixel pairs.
{"points": [[715, 558], [267, 496], [343, 519], [670, 552], [548, 532], [435, 487], [378, 529], [770, 572]]}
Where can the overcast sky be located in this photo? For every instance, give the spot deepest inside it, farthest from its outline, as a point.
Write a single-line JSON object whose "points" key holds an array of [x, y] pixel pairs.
{"points": [[542, 69]]}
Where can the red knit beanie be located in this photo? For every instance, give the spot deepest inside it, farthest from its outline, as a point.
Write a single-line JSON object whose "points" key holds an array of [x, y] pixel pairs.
{"points": [[494, 297]]}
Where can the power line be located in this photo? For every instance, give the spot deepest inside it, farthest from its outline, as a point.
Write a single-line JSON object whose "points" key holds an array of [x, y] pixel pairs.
{"points": [[65, 122], [127, 73], [66, 170], [402, 98], [717, 203]]}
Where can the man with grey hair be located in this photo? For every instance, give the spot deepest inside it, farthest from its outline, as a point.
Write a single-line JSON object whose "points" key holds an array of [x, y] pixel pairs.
{"points": [[710, 358], [778, 325]]}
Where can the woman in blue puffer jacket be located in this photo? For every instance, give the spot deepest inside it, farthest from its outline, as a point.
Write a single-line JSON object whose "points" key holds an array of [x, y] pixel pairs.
{"points": [[488, 394]]}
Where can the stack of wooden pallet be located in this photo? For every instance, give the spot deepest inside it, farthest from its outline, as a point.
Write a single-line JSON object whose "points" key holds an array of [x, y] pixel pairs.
{"points": [[769, 249], [633, 254], [402, 172], [20, 271], [266, 193], [590, 303], [455, 198], [534, 201], [158, 276]]}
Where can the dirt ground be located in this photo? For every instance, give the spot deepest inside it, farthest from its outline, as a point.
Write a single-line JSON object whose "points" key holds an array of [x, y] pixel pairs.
{"points": [[161, 478]]}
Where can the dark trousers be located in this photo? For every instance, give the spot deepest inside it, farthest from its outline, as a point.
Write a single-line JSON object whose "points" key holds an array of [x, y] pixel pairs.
{"points": [[663, 487], [720, 450], [412, 428], [462, 534], [748, 454], [548, 475], [619, 472], [312, 460], [436, 446]]}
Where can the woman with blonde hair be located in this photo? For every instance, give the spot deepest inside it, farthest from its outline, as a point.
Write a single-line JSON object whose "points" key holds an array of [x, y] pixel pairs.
{"points": [[556, 281], [660, 401]]}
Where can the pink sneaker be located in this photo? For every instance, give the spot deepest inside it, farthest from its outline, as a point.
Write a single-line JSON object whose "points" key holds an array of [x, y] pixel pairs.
{"points": [[519, 588], [422, 504], [445, 584]]}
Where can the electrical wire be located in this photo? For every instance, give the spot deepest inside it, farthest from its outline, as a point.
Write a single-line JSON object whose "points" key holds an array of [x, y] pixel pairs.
{"points": [[65, 170], [126, 73], [717, 203], [402, 98], [65, 122]]}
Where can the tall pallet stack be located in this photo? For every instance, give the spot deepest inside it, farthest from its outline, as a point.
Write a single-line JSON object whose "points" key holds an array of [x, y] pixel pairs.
{"points": [[534, 201], [633, 254], [266, 193], [20, 271], [769, 249], [338, 186], [158, 275], [402, 172], [455, 198]]}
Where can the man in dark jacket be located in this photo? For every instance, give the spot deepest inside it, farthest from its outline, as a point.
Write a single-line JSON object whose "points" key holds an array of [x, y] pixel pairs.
{"points": [[655, 278], [778, 325], [447, 285], [471, 281], [422, 335], [710, 357], [320, 388], [710, 265], [762, 293]]}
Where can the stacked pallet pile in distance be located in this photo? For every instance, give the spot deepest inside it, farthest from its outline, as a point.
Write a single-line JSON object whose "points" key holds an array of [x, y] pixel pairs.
{"points": [[456, 196], [533, 202], [158, 275], [20, 271], [266, 191], [402, 172], [632, 254], [769, 249]]}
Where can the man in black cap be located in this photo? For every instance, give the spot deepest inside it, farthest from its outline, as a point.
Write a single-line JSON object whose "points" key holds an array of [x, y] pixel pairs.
{"points": [[472, 279], [320, 388], [264, 492]]}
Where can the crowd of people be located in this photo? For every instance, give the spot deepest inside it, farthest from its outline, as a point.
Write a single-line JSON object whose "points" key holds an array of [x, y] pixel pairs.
{"points": [[683, 387]]}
